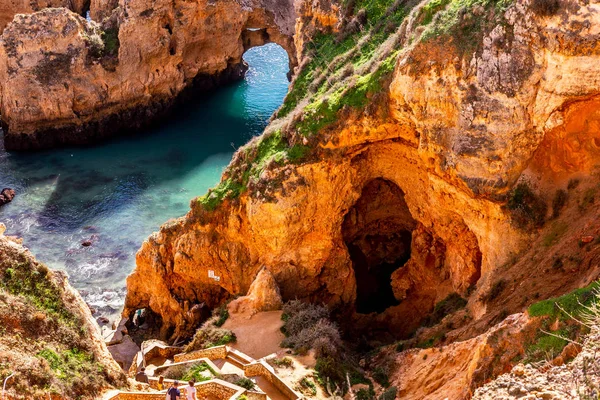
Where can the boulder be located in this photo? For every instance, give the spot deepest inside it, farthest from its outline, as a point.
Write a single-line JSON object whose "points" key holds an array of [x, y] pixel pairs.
{"points": [[6, 196], [263, 295]]}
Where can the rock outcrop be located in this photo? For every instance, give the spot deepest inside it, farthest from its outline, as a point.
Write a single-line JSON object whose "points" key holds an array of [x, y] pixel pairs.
{"points": [[578, 379], [456, 370], [6, 196], [49, 338], [66, 80], [9, 8], [263, 295]]}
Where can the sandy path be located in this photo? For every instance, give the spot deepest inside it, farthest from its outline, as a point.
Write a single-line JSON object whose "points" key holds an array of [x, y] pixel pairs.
{"points": [[258, 335]]}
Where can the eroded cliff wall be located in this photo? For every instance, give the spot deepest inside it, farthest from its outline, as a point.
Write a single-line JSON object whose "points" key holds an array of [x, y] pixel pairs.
{"points": [[447, 111], [9, 8]]}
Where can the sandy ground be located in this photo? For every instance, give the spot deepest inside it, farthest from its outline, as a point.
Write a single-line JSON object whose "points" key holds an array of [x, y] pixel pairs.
{"points": [[258, 335]]}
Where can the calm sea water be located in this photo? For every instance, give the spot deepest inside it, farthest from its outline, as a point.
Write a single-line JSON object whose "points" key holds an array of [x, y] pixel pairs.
{"points": [[117, 193]]}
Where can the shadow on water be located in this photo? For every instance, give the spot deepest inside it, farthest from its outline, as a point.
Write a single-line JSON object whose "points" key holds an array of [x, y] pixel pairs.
{"points": [[117, 193]]}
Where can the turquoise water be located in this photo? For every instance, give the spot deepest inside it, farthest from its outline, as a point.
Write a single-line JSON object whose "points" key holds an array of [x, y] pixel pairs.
{"points": [[117, 193]]}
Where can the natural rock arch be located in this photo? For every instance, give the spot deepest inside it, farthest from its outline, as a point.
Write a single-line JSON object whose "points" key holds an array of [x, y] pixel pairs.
{"points": [[260, 29], [77, 93]]}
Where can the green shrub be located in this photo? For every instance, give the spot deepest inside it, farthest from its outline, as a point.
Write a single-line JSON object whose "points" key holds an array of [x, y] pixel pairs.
{"points": [[34, 283], [381, 375], [389, 394], [331, 370], [365, 394], [430, 9], [222, 314], [195, 373], [452, 303], [110, 37], [527, 209], [307, 326], [430, 342], [299, 315], [209, 335], [559, 202], [284, 362], [245, 383], [456, 20], [76, 369], [308, 384], [571, 303]]}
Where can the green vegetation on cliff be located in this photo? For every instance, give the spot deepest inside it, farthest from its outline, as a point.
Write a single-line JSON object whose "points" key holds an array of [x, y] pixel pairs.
{"points": [[32, 282], [345, 63], [560, 324], [346, 72], [464, 20], [253, 159], [341, 70], [43, 335]]}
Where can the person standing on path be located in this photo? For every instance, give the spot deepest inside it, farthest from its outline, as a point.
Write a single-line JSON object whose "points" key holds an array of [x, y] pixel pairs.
{"points": [[190, 391], [173, 393], [141, 376]]}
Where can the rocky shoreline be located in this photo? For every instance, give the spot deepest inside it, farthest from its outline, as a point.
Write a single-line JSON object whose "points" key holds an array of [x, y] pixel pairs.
{"points": [[125, 122]]}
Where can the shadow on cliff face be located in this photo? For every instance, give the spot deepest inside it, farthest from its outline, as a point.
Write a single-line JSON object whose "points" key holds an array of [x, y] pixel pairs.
{"points": [[378, 234], [403, 270]]}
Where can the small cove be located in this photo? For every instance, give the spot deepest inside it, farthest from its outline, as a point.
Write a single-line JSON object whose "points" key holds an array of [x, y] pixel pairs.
{"points": [[117, 193]]}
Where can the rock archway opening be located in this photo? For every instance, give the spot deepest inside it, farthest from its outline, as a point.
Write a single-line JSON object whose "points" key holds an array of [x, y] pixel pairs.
{"points": [[377, 231], [260, 30]]}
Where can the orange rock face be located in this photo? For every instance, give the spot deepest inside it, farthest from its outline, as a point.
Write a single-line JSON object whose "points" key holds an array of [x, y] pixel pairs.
{"points": [[8, 8], [404, 201], [263, 295], [454, 371]]}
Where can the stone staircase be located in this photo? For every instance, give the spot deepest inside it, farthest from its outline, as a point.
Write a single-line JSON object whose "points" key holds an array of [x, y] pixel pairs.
{"points": [[217, 389]]}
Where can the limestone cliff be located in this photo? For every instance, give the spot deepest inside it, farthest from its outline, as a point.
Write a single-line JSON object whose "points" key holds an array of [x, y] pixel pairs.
{"points": [[9, 8], [402, 164], [66, 80], [48, 337]]}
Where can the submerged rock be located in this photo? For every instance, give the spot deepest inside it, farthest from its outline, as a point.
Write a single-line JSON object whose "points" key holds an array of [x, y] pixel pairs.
{"points": [[6, 196]]}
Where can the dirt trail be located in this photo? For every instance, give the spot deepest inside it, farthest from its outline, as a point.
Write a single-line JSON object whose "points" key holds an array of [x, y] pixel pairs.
{"points": [[257, 335]]}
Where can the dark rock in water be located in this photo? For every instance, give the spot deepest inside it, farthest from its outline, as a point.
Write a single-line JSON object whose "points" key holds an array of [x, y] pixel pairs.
{"points": [[6, 196], [86, 243]]}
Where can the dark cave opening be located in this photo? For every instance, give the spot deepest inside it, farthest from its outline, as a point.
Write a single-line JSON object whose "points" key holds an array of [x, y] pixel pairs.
{"points": [[378, 234]]}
